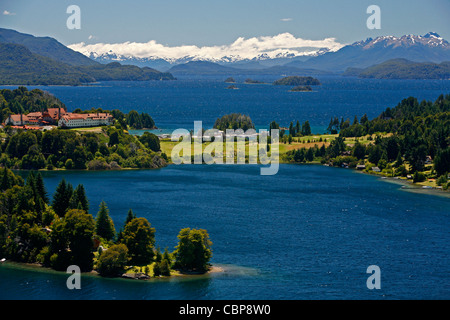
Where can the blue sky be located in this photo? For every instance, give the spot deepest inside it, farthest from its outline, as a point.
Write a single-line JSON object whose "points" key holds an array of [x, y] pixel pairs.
{"points": [[210, 22]]}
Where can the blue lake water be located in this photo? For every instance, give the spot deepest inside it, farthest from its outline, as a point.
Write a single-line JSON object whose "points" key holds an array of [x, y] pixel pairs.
{"points": [[177, 104], [309, 232]]}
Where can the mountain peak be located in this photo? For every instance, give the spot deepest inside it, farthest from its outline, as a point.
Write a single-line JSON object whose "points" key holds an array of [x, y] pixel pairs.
{"points": [[432, 35], [431, 39]]}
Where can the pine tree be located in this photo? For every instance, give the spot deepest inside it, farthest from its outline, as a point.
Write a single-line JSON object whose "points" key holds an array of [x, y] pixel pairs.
{"points": [[40, 188], [104, 225], [130, 216], [298, 128], [79, 199], [5, 185], [61, 198]]}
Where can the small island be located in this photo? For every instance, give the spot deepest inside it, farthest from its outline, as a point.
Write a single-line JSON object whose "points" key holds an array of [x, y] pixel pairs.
{"points": [[251, 81], [301, 89], [232, 87], [297, 81], [230, 80]]}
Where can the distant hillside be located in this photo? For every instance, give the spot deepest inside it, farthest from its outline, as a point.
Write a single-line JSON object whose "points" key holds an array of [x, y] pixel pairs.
{"points": [[47, 47], [430, 47], [403, 69], [20, 66], [118, 72], [195, 68]]}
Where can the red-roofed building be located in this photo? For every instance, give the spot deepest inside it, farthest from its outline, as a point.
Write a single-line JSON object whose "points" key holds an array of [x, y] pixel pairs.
{"points": [[76, 120], [17, 120]]}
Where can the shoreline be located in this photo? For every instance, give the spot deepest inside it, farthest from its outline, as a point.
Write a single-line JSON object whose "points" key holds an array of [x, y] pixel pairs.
{"points": [[408, 185], [36, 267]]}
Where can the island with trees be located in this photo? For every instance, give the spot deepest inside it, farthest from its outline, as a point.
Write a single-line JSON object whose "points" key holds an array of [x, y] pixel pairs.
{"points": [[61, 232], [230, 80], [297, 81], [301, 89], [251, 81]]}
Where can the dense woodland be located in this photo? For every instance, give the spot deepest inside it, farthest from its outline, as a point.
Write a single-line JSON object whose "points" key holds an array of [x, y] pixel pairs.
{"points": [[403, 69], [405, 137], [21, 100], [18, 65], [234, 121], [112, 148], [61, 232], [297, 81]]}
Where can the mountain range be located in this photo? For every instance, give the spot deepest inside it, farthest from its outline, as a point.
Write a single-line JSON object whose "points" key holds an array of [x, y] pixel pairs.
{"points": [[29, 60], [25, 59], [362, 54]]}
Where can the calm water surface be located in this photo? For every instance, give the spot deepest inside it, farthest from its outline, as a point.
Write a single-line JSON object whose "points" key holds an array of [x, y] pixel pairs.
{"points": [[309, 232]]}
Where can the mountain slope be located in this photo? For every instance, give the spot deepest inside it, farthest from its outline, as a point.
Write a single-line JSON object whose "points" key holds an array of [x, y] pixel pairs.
{"points": [[18, 65], [47, 47], [428, 48], [199, 68], [403, 69]]}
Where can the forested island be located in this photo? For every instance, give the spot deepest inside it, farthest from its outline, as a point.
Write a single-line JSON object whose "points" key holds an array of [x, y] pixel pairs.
{"points": [[297, 81], [62, 232], [251, 81], [301, 89]]}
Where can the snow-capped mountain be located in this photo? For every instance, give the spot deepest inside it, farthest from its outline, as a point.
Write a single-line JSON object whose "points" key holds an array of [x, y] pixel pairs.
{"points": [[431, 39], [281, 48], [362, 54]]}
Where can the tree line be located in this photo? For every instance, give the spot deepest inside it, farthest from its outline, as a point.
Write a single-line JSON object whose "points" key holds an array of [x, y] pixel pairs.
{"points": [[60, 232], [113, 148], [409, 139], [24, 101]]}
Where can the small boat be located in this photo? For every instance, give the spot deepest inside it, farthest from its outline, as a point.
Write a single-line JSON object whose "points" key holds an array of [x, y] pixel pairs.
{"points": [[3, 260]]}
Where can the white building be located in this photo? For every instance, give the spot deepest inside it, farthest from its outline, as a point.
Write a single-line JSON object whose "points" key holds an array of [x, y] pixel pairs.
{"points": [[75, 120]]}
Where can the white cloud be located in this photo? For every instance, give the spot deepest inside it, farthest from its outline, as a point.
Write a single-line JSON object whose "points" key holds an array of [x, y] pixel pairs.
{"points": [[7, 13], [286, 19], [242, 48]]}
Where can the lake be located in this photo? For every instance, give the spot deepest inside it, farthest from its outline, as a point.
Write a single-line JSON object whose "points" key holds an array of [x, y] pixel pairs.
{"points": [[177, 104], [310, 232]]}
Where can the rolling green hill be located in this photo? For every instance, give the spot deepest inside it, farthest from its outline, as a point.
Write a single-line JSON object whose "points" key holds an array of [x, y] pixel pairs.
{"points": [[20, 66], [403, 69]]}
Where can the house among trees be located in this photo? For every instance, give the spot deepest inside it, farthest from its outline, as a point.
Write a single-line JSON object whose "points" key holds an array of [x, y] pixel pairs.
{"points": [[79, 120], [61, 118], [49, 117]]}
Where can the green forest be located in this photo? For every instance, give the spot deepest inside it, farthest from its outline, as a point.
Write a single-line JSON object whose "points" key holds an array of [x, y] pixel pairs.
{"points": [[412, 138], [60, 232], [234, 121], [18, 65]]}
